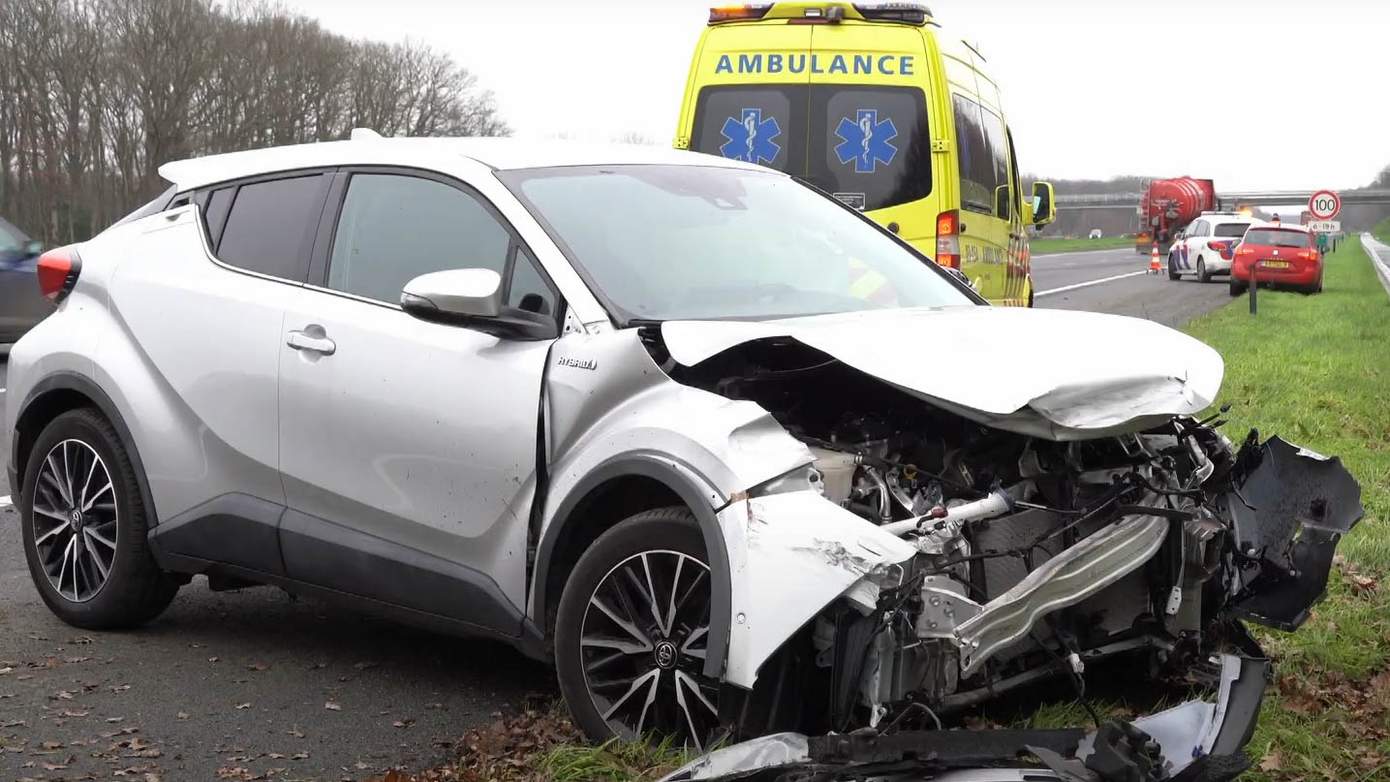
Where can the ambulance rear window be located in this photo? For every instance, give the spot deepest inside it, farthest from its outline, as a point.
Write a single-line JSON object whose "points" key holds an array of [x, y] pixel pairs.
{"points": [[869, 146]]}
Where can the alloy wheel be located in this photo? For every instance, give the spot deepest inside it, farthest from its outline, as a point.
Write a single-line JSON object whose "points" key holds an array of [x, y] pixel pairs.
{"points": [[643, 644], [75, 520]]}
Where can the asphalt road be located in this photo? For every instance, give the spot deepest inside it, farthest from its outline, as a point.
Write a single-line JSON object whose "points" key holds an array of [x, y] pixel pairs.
{"points": [[1070, 281], [253, 684]]}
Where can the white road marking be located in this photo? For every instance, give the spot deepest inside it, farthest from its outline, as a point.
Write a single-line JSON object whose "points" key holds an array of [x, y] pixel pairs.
{"points": [[1087, 284], [5, 501]]}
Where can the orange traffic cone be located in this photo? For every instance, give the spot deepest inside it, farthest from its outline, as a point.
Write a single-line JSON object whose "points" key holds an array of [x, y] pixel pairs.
{"points": [[1154, 266]]}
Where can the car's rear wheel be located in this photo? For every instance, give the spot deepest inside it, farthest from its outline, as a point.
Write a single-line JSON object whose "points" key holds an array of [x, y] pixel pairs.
{"points": [[1202, 275], [84, 525], [632, 631], [1237, 287]]}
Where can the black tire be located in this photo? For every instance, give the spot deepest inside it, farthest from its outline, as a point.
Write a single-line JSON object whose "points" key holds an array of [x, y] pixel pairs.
{"points": [[1173, 269], [659, 539], [1237, 287], [1202, 275], [134, 589]]}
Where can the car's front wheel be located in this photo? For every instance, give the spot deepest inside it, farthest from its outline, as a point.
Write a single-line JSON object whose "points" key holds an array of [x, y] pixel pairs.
{"points": [[84, 525], [1173, 273], [632, 632]]}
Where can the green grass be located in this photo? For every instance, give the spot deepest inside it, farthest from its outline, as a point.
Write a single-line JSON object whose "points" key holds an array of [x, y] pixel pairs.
{"points": [[1316, 370], [1382, 230], [1048, 246]]}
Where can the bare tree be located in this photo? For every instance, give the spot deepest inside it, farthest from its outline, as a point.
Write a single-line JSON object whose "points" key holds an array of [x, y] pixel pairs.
{"points": [[122, 86]]}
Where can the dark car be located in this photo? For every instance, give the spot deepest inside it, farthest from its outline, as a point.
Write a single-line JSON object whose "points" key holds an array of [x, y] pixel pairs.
{"points": [[21, 303]]}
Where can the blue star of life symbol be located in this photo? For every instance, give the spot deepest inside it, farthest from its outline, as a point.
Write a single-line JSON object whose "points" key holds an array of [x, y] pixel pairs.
{"points": [[750, 138], [865, 140]]}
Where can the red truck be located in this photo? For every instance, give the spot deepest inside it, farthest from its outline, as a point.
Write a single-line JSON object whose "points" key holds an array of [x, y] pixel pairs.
{"points": [[1167, 206]]}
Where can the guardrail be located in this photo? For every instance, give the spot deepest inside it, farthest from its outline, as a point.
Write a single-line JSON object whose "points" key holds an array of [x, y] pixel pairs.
{"points": [[1380, 254]]}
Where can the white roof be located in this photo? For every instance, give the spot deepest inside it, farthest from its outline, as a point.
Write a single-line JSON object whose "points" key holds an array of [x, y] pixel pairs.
{"points": [[497, 153]]}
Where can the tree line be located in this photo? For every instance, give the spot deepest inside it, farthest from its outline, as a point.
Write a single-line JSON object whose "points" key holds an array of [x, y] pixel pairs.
{"points": [[96, 94]]}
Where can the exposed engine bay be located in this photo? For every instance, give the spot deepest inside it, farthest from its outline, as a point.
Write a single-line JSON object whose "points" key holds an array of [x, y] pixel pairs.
{"points": [[1034, 557]]}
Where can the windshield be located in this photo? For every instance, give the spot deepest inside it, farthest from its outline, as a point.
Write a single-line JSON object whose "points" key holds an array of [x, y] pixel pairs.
{"points": [[659, 242], [1277, 238]]}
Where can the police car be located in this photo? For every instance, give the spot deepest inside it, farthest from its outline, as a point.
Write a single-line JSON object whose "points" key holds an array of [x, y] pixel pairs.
{"points": [[1208, 246], [877, 105]]}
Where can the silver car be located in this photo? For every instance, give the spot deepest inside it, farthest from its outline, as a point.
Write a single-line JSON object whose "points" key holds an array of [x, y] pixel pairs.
{"points": [[21, 305], [632, 410]]}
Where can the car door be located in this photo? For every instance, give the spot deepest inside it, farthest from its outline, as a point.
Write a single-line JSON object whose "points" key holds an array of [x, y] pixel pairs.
{"points": [[408, 448], [204, 299], [1191, 244]]}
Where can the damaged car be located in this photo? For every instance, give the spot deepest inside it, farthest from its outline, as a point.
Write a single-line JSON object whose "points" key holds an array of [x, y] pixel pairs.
{"points": [[734, 458]]}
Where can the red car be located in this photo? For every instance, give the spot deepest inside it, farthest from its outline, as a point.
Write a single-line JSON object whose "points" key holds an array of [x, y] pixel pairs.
{"points": [[1283, 255]]}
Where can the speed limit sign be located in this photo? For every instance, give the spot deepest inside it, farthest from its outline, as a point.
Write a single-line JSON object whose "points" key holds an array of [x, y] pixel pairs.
{"points": [[1324, 205]]}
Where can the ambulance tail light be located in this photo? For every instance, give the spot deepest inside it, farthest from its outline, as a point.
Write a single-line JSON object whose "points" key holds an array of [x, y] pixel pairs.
{"points": [[907, 13], [738, 13], [57, 271], [948, 239]]}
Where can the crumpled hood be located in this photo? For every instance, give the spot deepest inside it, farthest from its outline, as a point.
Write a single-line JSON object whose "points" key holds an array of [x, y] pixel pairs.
{"points": [[1057, 374]]}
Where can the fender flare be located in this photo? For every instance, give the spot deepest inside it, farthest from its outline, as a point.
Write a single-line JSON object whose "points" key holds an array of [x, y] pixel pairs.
{"points": [[65, 380], [687, 485]]}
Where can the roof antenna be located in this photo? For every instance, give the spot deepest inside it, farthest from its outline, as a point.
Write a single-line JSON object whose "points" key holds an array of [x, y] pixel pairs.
{"points": [[364, 134]]}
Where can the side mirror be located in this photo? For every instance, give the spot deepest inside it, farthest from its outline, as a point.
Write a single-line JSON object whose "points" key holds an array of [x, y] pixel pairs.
{"points": [[1044, 203], [1001, 201], [472, 298], [32, 247]]}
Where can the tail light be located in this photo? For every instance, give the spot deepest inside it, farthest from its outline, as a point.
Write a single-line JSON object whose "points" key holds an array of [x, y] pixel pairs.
{"points": [[1222, 247], [948, 239], [737, 13], [1243, 250], [57, 272], [1308, 255]]}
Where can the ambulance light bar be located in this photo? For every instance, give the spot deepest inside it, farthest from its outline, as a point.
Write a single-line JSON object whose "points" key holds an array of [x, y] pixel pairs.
{"points": [[909, 13], [738, 13]]}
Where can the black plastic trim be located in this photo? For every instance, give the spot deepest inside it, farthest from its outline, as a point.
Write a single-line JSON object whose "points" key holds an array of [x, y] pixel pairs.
{"points": [[329, 555], [1242, 706], [661, 470], [64, 380], [236, 529]]}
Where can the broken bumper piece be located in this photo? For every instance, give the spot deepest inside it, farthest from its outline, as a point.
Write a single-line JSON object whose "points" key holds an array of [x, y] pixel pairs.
{"points": [[1291, 508], [1195, 741]]}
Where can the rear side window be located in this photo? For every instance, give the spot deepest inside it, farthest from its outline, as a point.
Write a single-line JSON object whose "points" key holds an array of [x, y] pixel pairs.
{"points": [[983, 155], [1278, 238], [1231, 230], [270, 227], [394, 228]]}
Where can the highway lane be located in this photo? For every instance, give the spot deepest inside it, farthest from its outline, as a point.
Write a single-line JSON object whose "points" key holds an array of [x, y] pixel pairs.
{"points": [[1114, 281]]}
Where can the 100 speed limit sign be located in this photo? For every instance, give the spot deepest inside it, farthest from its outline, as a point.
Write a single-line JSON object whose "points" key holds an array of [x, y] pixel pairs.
{"points": [[1324, 205]]}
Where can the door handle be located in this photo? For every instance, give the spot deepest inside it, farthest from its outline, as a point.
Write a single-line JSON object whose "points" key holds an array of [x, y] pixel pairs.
{"points": [[302, 340]]}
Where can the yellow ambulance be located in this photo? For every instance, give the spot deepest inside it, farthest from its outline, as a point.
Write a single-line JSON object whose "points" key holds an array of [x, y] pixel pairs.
{"points": [[878, 106]]}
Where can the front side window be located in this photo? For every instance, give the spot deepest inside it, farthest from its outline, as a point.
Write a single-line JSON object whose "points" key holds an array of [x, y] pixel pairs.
{"points": [[660, 242], [394, 228], [270, 227]]}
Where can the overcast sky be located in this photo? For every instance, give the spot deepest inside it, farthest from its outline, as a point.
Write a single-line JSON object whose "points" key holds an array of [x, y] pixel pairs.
{"points": [[1255, 94]]}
